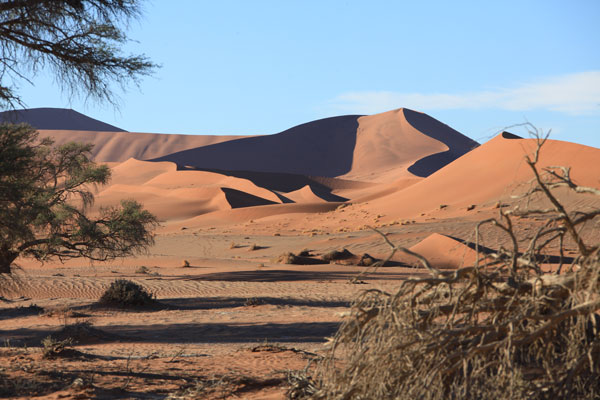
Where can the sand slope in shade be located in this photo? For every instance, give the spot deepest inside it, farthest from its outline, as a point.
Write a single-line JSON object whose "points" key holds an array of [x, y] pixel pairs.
{"points": [[321, 148], [493, 171], [120, 146], [377, 148], [56, 118], [443, 252]]}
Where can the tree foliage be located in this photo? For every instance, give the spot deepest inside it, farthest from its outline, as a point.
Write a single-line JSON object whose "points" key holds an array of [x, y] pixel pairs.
{"points": [[45, 191], [79, 40]]}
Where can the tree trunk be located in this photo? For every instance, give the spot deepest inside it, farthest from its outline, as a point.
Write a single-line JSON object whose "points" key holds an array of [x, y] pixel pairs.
{"points": [[6, 259]]}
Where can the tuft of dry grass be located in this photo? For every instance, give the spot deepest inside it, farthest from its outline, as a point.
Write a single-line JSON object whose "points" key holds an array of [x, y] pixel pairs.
{"points": [[142, 270]]}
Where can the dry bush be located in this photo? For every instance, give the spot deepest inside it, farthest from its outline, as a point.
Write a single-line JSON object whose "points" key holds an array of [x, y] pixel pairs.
{"points": [[337, 255], [366, 260], [124, 293], [53, 348], [291, 258], [502, 330], [142, 270]]}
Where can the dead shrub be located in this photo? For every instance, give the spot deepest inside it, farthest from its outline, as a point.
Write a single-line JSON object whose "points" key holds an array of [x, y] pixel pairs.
{"points": [[291, 258], [366, 260], [124, 293], [337, 255], [502, 330], [142, 270], [53, 348]]}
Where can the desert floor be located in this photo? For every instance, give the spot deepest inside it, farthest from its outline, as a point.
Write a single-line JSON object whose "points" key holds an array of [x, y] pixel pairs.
{"points": [[232, 324]]}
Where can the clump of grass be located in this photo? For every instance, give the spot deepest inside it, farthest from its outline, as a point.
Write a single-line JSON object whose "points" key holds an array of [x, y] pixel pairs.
{"points": [[185, 264], [233, 245], [124, 293], [53, 348], [142, 270], [253, 247]]}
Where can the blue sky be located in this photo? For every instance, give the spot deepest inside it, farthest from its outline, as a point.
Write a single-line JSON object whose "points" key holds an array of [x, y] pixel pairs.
{"points": [[260, 67]]}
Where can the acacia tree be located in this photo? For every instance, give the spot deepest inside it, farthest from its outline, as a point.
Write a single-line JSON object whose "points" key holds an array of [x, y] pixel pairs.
{"points": [[45, 191], [79, 40]]}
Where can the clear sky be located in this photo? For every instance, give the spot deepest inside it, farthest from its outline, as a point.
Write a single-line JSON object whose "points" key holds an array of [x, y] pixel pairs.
{"points": [[260, 67]]}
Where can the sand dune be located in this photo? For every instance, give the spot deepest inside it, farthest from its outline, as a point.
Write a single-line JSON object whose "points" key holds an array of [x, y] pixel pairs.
{"points": [[167, 204], [443, 252], [390, 145], [120, 146], [487, 174], [172, 194], [305, 195], [380, 148], [57, 118], [136, 172]]}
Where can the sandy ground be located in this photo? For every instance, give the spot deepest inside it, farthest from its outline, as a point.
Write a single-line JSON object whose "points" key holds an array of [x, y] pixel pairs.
{"points": [[231, 325]]}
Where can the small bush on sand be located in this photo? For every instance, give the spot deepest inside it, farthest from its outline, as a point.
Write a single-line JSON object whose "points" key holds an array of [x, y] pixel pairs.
{"points": [[305, 253], [53, 348], [185, 264], [504, 328], [142, 270], [288, 258], [124, 293], [366, 260]]}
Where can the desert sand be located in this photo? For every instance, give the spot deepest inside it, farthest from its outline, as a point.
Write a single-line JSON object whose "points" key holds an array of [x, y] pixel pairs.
{"points": [[236, 320]]}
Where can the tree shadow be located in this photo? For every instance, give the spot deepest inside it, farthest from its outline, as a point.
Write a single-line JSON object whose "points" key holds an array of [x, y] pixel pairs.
{"points": [[196, 333], [217, 303], [276, 275], [18, 312]]}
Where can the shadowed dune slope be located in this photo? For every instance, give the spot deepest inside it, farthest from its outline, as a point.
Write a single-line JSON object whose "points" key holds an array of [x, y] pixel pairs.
{"points": [[379, 148], [457, 143], [388, 145], [493, 171], [57, 118], [322, 148]]}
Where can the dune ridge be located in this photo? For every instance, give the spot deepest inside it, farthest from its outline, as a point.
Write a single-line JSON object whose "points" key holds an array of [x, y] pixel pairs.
{"points": [[494, 171]]}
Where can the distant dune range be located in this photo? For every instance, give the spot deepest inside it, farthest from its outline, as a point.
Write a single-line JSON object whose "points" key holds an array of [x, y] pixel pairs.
{"points": [[400, 164]]}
